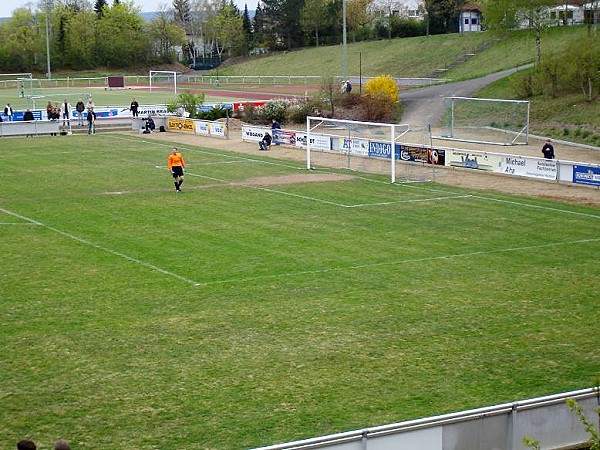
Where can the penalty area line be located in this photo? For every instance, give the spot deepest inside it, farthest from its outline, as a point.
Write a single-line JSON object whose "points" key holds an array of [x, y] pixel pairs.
{"points": [[102, 248], [398, 262]]}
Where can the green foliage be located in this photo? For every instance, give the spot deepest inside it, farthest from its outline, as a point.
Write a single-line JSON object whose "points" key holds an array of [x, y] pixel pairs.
{"points": [[531, 443], [218, 112], [298, 112], [189, 102], [274, 109], [590, 428]]}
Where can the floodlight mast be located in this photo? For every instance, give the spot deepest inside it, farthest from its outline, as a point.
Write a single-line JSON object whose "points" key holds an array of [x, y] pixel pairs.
{"points": [[48, 4]]}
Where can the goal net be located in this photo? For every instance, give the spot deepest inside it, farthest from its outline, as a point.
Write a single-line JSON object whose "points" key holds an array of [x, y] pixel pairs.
{"points": [[484, 120], [163, 80], [21, 81], [359, 146]]}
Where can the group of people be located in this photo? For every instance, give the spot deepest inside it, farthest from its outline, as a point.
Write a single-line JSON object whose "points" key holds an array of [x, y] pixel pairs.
{"points": [[267, 139], [346, 87], [28, 444]]}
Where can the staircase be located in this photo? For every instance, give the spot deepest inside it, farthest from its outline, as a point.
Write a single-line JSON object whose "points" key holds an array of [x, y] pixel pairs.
{"points": [[437, 73]]}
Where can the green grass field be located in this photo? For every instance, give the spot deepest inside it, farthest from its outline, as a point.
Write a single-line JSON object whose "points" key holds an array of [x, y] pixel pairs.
{"points": [[237, 315]]}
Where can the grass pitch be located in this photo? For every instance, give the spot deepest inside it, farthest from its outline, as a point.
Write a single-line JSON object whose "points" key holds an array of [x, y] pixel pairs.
{"points": [[236, 315]]}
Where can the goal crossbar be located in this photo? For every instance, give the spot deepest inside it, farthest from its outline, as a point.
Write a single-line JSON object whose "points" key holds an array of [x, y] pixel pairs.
{"points": [[170, 73], [374, 140]]}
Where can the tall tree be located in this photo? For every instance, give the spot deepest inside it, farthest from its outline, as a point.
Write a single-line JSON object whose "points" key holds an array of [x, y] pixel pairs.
{"points": [[99, 6], [314, 17], [282, 20], [121, 39], [506, 15], [182, 13], [229, 34], [165, 35], [80, 41], [357, 16], [247, 27]]}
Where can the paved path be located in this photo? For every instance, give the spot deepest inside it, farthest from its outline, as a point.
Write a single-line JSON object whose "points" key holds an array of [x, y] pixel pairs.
{"points": [[425, 106]]}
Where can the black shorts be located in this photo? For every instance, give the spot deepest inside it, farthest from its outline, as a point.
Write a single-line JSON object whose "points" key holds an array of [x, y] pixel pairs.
{"points": [[177, 171]]}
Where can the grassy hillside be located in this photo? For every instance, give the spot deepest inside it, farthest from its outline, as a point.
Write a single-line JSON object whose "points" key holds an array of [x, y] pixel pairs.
{"points": [[568, 117], [412, 57]]}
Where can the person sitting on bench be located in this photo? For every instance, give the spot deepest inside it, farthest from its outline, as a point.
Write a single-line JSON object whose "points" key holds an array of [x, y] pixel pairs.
{"points": [[265, 143]]}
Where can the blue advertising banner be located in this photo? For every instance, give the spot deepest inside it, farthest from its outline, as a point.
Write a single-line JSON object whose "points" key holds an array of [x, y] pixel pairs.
{"points": [[586, 175], [378, 149]]}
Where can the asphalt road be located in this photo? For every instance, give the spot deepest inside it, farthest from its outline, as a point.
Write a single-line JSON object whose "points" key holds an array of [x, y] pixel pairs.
{"points": [[425, 106]]}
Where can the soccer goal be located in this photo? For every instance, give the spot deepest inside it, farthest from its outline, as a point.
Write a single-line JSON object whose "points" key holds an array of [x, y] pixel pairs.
{"points": [[485, 120], [163, 79], [22, 81], [368, 147]]}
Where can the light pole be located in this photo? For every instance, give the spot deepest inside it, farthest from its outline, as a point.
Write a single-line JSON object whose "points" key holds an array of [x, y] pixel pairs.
{"points": [[344, 46], [48, 12]]}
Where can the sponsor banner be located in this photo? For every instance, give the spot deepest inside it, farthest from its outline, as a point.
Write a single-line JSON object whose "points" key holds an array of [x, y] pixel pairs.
{"points": [[241, 106], [354, 146], [203, 128], [378, 149], [105, 112], [545, 169], [586, 175], [38, 114], [178, 124], [317, 142], [284, 137], [468, 159], [422, 154], [250, 133], [218, 129]]}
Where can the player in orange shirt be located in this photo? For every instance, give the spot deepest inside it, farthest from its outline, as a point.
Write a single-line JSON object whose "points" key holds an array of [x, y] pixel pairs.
{"points": [[176, 166]]}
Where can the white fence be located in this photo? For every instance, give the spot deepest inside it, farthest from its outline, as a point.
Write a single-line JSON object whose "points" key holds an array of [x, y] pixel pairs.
{"points": [[502, 427]]}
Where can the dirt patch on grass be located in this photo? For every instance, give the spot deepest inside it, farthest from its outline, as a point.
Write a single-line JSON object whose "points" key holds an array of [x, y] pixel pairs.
{"points": [[464, 178]]}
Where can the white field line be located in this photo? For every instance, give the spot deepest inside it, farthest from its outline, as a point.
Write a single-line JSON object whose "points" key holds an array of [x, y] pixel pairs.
{"points": [[528, 205], [18, 223], [102, 248], [396, 263]]}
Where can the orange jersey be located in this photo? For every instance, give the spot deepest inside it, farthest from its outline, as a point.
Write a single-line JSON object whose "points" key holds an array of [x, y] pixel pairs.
{"points": [[175, 159]]}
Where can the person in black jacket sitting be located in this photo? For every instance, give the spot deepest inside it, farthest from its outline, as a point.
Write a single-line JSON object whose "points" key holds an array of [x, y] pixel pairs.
{"points": [[265, 143]]}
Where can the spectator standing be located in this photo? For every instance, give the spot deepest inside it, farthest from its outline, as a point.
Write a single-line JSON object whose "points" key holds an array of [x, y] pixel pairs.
{"points": [[79, 107], [176, 166], [91, 118], [49, 109], [275, 127], [134, 107], [8, 112], [548, 150], [66, 112]]}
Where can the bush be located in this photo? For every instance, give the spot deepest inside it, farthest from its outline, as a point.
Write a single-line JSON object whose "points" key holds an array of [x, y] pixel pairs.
{"points": [[382, 87]]}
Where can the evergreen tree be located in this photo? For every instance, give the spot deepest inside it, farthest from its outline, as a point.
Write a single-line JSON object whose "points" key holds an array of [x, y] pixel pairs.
{"points": [[98, 6], [247, 27]]}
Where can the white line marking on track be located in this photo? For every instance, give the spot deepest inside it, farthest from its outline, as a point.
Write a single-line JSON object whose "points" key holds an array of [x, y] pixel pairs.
{"points": [[100, 247]]}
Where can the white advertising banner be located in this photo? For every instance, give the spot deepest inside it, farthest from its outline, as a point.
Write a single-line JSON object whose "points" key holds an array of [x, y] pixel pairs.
{"points": [[354, 146], [250, 133], [317, 142], [218, 129], [545, 169], [468, 159]]}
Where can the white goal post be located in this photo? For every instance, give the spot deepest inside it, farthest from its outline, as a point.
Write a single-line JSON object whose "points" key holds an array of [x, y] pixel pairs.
{"points": [[485, 120], [361, 146], [169, 76]]}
